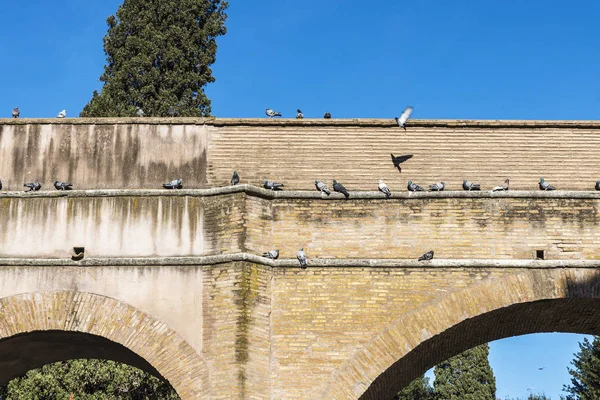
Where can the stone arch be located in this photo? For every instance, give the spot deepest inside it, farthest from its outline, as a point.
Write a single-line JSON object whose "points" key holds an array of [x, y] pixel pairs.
{"points": [[90, 321], [537, 300]]}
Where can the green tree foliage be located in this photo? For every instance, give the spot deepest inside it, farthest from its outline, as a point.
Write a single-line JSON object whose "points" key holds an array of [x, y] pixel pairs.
{"points": [[467, 376], [87, 380], [585, 374], [159, 54], [538, 396], [418, 389]]}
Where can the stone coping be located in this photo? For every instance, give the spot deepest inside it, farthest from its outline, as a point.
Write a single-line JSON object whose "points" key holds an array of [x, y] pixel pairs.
{"points": [[304, 194], [356, 122], [285, 263]]}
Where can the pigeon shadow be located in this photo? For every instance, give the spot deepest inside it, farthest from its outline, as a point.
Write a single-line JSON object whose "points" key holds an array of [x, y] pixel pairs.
{"points": [[399, 160]]}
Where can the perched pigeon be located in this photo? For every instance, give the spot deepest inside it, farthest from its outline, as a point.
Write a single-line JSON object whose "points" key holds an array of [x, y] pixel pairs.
{"points": [[139, 112], [172, 112], [272, 185], [174, 184], [470, 186], [62, 114], [327, 115], [272, 113], [545, 185], [302, 258], [404, 117], [322, 187], [338, 187], [503, 187], [384, 189], [273, 254], [399, 160], [413, 187], [235, 179], [33, 186], [299, 114], [62, 185], [16, 112], [426, 256], [597, 185], [437, 187]]}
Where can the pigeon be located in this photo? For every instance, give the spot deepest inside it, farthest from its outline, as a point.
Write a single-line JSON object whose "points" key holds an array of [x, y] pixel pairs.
{"points": [[174, 184], [272, 185], [235, 179], [384, 189], [404, 117], [33, 186], [172, 112], [338, 187], [0, 185], [62, 185], [327, 115], [413, 187], [16, 112], [299, 114], [399, 160], [321, 187], [597, 185], [426, 256], [503, 187], [272, 113], [302, 258], [545, 185], [470, 186], [139, 112], [62, 114], [437, 187], [273, 254]]}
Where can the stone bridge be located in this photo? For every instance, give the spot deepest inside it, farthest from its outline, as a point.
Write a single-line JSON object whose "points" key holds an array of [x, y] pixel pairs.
{"points": [[172, 281]]}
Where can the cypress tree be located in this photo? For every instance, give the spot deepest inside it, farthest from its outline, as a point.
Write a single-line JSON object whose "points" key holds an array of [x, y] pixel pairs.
{"points": [[159, 54], [467, 376], [418, 389], [585, 374]]}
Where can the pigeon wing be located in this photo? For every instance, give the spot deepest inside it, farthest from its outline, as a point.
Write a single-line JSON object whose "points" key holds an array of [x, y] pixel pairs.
{"points": [[405, 116]]}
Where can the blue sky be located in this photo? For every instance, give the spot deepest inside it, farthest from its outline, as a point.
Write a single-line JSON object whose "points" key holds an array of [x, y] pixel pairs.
{"points": [[509, 59]]}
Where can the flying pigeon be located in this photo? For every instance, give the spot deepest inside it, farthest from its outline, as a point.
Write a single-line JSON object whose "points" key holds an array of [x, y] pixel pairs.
{"points": [[273, 254], [62, 114], [384, 189], [470, 186], [503, 187], [272, 113], [597, 185], [272, 185], [235, 179], [302, 258], [139, 112], [174, 184], [338, 187], [327, 115], [33, 186], [62, 185], [426, 256], [322, 187], [437, 187], [413, 187], [172, 112], [404, 117], [299, 114], [399, 160], [16, 112], [545, 185]]}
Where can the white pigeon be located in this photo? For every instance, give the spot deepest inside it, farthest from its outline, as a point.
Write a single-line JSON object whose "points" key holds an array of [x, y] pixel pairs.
{"points": [[139, 112], [404, 117], [503, 187], [384, 189], [272, 113], [302, 258], [62, 114]]}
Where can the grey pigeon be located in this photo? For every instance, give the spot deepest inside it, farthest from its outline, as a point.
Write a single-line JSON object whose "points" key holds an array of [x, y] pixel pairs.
{"points": [[272, 185], [273, 254], [545, 185], [470, 186], [426, 256], [597, 185], [413, 187], [327, 115], [33, 186], [62, 114], [503, 187], [299, 114], [272, 113], [172, 112], [174, 184], [437, 187], [302, 258], [404, 117], [16, 112], [62, 185], [235, 179], [338, 187], [399, 160], [322, 187], [139, 112], [384, 189]]}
